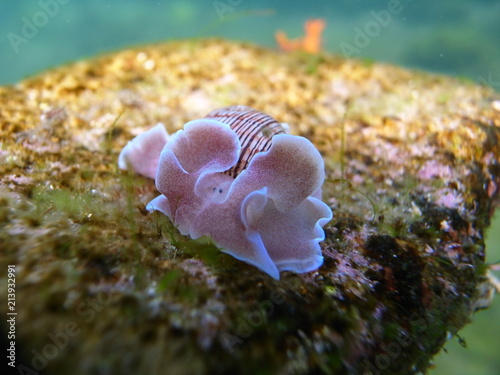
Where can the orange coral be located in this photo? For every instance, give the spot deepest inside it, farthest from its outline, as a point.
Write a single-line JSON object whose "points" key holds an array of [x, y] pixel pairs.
{"points": [[311, 42]]}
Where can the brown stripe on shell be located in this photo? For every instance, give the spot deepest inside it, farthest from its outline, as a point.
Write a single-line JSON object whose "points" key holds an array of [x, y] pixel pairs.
{"points": [[254, 129]]}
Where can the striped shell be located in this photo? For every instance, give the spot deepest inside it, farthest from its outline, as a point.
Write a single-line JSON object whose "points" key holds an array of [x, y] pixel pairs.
{"points": [[255, 131]]}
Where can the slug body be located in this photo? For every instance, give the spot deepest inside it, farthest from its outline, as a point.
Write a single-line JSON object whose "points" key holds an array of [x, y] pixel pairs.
{"points": [[237, 177]]}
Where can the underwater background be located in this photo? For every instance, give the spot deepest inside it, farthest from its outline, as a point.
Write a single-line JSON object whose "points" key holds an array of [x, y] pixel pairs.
{"points": [[458, 38]]}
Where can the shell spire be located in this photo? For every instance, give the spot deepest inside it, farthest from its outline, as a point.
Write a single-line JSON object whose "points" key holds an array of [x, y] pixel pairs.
{"points": [[254, 129]]}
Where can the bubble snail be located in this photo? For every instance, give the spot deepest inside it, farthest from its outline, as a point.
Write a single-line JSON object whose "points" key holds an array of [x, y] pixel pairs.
{"points": [[238, 177]]}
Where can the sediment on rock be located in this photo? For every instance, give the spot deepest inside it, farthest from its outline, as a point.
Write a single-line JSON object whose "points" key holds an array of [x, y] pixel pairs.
{"points": [[413, 172]]}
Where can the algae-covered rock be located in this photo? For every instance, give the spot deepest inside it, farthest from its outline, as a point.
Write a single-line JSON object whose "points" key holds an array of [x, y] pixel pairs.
{"points": [[103, 287]]}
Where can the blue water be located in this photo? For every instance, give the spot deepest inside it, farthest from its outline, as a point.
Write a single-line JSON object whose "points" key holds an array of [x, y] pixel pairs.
{"points": [[460, 38]]}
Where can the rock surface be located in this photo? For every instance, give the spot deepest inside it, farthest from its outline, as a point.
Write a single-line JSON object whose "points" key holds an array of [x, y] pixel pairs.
{"points": [[102, 287]]}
